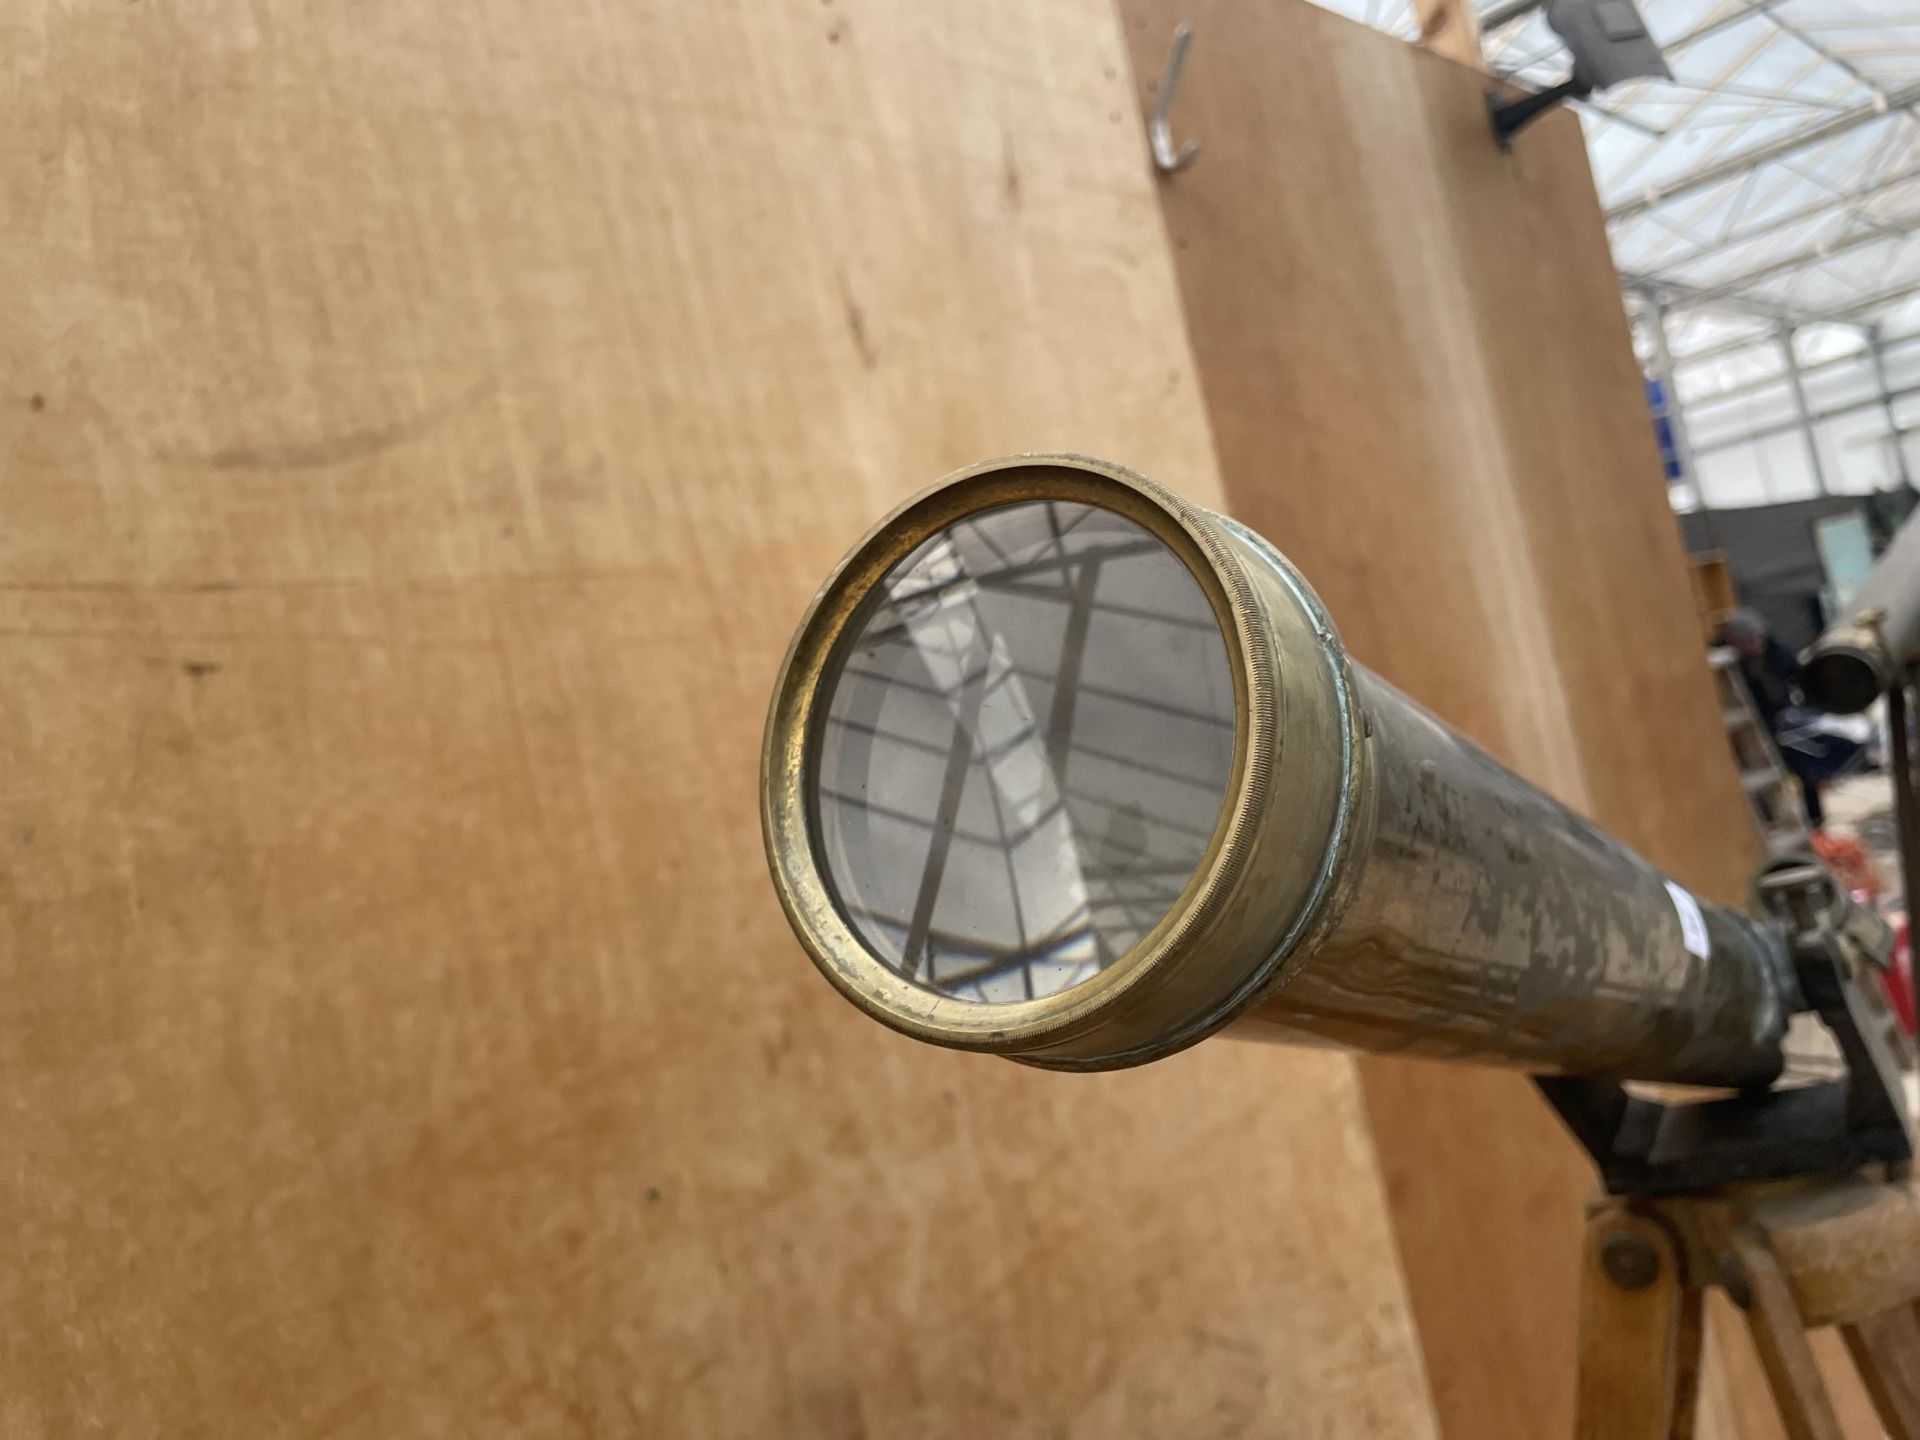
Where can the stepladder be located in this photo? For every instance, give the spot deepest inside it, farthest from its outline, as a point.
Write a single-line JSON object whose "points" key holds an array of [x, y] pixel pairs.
{"points": [[1772, 792]]}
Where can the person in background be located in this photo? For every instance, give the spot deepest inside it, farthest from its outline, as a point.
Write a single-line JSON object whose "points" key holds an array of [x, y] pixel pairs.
{"points": [[1813, 754]]}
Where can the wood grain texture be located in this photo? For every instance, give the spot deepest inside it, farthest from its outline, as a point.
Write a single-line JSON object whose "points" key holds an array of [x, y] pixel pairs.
{"points": [[1450, 28], [421, 428], [1851, 1250], [1639, 1348], [1886, 1350], [1422, 389], [1780, 1336]]}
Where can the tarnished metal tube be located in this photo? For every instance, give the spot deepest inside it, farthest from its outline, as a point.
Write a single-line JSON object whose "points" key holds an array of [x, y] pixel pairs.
{"points": [[1480, 919], [1853, 663], [979, 784], [1485, 921]]}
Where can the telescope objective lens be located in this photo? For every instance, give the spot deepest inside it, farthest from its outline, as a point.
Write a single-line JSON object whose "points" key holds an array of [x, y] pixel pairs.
{"points": [[1026, 741]]}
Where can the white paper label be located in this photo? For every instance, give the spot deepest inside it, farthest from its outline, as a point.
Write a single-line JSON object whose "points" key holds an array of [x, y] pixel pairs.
{"points": [[1693, 925]]}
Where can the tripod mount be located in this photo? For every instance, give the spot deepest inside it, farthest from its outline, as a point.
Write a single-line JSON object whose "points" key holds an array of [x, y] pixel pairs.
{"points": [[1794, 1199]]}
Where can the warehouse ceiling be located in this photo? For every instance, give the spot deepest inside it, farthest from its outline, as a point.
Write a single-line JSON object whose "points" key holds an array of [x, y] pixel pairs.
{"points": [[1774, 181]]}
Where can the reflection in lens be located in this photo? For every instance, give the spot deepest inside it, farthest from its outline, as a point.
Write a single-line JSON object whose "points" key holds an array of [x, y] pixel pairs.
{"points": [[1024, 752]]}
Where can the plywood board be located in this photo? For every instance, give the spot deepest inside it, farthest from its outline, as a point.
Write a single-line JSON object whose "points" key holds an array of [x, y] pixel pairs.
{"points": [[421, 427], [1423, 391]]}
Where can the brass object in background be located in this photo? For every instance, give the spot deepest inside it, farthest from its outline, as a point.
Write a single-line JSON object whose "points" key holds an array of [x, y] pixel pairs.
{"points": [[1369, 877], [1853, 664], [1861, 655]]}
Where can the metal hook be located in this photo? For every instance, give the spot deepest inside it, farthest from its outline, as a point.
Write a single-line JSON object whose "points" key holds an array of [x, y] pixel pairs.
{"points": [[1159, 133]]}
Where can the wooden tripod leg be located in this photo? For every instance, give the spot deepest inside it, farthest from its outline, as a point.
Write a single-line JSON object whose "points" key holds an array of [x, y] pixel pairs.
{"points": [[1686, 1362], [1780, 1335], [1639, 1351], [1886, 1348]]}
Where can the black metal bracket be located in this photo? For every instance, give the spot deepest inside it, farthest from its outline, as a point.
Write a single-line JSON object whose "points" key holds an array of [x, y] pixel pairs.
{"points": [[1646, 1147], [1906, 814], [1510, 117]]}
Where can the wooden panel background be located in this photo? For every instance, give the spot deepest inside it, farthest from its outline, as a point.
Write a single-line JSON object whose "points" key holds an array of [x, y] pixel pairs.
{"points": [[421, 426], [1422, 390]]}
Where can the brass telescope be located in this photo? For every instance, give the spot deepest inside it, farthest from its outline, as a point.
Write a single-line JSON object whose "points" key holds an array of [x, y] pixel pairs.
{"points": [[1063, 768]]}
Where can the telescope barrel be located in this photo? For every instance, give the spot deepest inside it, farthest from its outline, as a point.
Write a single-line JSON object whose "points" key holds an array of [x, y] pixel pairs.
{"points": [[1853, 663], [1488, 922], [1062, 768]]}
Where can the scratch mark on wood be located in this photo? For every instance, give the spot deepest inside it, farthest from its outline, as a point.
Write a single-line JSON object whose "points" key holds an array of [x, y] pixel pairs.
{"points": [[1213, 1339], [333, 450], [857, 326], [275, 637], [429, 584]]}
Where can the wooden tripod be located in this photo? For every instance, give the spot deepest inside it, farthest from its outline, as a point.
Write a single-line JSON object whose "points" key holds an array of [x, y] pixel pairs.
{"points": [[1793, 1256]]}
